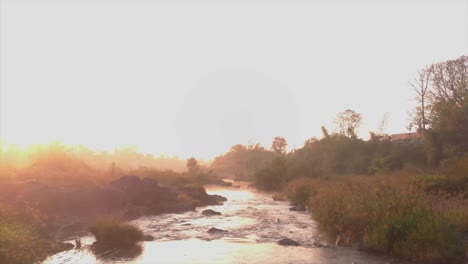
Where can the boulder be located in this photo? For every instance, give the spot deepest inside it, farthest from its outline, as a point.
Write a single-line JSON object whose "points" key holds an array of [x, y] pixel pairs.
{"points": [[299, 208], [288, 242], [215, 199], [215, 230], [210, 212], [148, 238]]}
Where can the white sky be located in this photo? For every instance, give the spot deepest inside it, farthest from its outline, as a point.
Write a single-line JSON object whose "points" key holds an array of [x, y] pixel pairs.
{"points": [[192, 79]]}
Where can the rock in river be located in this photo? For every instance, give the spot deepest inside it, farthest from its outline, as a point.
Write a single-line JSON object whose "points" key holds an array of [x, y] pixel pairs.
{"points": [[299, 208], [215, 230], [210, 212], [148, 238], [287, 242]]}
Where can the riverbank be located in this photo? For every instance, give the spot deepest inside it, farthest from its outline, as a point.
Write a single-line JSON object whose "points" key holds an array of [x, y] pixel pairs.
{"points": [[396, 215], [254, 223], [36, 216]]}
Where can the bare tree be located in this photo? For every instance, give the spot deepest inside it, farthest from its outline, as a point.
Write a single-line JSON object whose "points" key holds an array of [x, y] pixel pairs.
{"points": [[421, 87], [383, 124], [348, 122], [437, 87]]}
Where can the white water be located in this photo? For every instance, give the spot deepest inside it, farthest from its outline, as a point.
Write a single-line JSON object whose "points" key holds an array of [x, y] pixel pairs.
{"points": [[254, 223]]}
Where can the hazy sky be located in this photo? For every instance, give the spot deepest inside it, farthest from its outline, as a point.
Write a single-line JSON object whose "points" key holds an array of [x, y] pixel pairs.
{"points": [[193, 78]]}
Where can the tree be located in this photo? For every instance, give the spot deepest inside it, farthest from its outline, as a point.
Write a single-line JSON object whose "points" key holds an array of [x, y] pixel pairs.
{"points": [[348, 122], [442, 111], [325, 132], [279, 145], [382, 128], [421, 87], [192, 166], [241, 161], [449, 81]]}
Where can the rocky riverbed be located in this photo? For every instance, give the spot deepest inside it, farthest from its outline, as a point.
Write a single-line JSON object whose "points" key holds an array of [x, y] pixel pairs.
{"points": [[252, 224]]}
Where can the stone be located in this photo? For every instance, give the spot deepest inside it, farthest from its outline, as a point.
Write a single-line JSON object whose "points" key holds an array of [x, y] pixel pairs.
{"points": [[215, 230], [210, 212], [148, 238], [299, 208], [288, 242]]}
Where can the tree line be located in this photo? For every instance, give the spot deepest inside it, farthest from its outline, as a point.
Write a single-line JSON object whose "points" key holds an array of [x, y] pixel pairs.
{"points": [[440, 145]]}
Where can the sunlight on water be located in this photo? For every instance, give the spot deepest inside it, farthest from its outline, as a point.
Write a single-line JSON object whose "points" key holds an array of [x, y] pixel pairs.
{"points": [[249, 217], [221, 251], [231, 194], [217, 251]]}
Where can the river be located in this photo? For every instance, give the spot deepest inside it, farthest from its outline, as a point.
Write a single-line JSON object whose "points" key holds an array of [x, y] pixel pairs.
{"points": [[254, 223]]}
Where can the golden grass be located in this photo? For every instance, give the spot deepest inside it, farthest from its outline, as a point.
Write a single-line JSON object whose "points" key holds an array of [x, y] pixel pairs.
{"points": [[391, 214]]}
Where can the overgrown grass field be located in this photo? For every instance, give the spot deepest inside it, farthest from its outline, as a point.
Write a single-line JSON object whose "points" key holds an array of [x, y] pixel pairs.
{"points": [[398, 215]]}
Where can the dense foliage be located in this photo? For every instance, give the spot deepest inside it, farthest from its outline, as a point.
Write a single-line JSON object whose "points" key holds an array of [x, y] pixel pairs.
{"points": [[241, 161]]}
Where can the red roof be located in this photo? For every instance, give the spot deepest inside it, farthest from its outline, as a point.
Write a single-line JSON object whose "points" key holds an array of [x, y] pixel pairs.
{"points": [[405, 136]]}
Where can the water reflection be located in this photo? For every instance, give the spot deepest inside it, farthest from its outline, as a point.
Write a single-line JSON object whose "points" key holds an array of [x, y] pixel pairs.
{"points": [[248, 215], [117, 254]]}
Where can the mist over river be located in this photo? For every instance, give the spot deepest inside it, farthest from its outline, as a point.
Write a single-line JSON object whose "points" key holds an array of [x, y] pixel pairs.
{"points": [[254, 223]]}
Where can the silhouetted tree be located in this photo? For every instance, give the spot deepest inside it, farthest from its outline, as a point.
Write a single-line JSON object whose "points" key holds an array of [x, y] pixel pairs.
{"points": [[348, 122], [192, 166], [241, 161], [442, 113], [421, 87], [279, 145], [325, 131]]}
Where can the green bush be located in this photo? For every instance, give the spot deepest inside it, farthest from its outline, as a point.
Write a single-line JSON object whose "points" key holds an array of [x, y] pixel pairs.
{"points": [[299, 190], [18, 245], [385, 164], [113, 233], [455, 171], [419, 236], [271, 177]]}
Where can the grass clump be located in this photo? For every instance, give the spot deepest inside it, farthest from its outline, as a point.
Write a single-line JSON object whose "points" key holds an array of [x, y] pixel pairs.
{"points": [[19, 244], [115, 234]]}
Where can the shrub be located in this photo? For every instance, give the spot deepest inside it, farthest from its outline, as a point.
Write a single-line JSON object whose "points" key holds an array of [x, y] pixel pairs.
{"points": [[188, 200], [386, 164], [113, 233], [455, 171], [419, 235], [270, 178], [18, 245], [299, 190]]}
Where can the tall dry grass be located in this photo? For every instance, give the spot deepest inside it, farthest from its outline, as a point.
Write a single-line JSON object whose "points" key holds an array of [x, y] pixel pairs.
{"points": [[392, 214], [112, 233]]}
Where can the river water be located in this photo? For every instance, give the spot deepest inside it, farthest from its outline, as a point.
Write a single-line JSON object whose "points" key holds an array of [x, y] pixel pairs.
{"points": [[254, 223]]}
